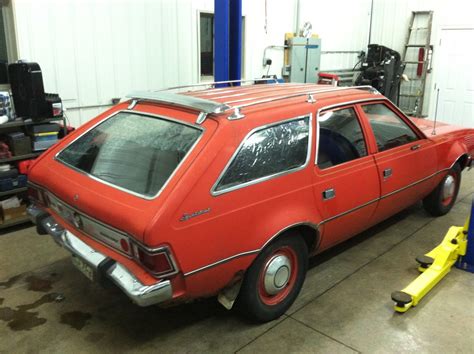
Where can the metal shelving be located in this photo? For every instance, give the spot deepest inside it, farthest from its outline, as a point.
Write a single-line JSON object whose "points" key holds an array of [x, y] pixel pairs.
{"points": [[16, 125], [14, 222], [21, 157], [13, 191]]}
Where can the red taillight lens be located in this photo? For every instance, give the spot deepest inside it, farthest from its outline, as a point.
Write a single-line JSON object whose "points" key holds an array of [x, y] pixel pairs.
{"points": [[158, 263], [124, 245]]}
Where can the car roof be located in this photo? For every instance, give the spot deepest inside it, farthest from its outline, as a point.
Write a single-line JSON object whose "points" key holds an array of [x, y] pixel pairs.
{"points": [[253, 94], [237, 102]]}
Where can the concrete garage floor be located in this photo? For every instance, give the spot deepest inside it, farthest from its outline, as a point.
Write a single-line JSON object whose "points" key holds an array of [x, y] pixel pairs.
{"points": [[344, 306]]}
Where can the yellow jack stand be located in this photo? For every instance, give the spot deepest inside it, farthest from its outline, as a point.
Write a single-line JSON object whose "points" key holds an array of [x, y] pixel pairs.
{"points": [[434, 266]]}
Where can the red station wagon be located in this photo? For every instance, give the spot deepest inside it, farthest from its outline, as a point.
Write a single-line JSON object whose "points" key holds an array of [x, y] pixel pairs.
{"points": [[227, 191]]}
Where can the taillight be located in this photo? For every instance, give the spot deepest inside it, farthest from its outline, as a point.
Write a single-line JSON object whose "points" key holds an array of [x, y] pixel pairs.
{"points": [[159, 263], [124, 244]]}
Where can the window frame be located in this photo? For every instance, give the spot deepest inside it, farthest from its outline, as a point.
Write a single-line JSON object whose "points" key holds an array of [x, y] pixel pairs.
{"points": [[215, 192], [359, 120], [405, 119], [142, 196], [355, 106]]}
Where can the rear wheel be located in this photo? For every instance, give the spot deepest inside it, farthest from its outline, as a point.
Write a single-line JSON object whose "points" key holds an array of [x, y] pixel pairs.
{"points": [[442, 199], [274, 280]]}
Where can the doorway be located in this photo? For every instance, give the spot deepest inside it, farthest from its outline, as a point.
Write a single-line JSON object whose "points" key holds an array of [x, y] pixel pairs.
{"points": [[454, 79]]}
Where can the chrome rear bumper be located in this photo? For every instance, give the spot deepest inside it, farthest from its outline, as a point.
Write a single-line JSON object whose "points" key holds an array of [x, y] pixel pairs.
{"points": [[142, 295]]}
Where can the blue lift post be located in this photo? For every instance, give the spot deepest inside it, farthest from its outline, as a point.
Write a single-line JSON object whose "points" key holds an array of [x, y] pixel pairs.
{"points": [[466, 262], [235, 40], [227, 40]]}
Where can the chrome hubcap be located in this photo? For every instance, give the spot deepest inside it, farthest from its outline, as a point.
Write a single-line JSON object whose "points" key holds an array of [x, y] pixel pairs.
{"points": [[277, 274], [448, 187]]}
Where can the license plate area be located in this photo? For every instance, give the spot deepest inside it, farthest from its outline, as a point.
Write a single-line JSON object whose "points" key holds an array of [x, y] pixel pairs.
{"points": [[89, 271]]}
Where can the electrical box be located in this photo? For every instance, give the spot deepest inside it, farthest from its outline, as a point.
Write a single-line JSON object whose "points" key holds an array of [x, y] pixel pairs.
{"points": [[305, 59]]}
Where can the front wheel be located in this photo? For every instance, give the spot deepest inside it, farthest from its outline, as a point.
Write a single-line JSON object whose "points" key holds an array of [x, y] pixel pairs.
{"points": [[442, 199], [274, 280]]}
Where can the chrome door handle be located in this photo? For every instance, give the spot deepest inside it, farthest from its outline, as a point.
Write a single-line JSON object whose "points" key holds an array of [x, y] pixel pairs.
{"points": [[329, 194], [387, 173], [415, 147]]}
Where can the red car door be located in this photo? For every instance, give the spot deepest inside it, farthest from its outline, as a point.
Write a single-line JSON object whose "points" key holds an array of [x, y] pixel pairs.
{"points": [[406, 160], [345, 179]]}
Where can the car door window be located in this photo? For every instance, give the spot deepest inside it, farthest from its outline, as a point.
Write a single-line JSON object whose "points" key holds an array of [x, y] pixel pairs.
{"points": [[269, 151], [340, 138], [389, 129]]}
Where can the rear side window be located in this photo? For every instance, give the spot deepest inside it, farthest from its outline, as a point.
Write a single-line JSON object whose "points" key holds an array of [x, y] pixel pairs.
{"points": [[389, 129], [134, 152], [268, 152], [340, 138]]}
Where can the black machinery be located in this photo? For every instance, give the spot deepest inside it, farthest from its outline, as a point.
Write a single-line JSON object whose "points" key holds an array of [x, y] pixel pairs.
{"points": [[382, 68], [29, 98]]}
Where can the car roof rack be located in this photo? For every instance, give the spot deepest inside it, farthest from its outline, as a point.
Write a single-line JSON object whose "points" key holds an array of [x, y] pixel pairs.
{"points": [[237, 114], [213, 84], [206, 106]]}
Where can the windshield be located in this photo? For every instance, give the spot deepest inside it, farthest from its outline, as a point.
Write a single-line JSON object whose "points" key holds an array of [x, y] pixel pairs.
{"points": [[132, 151]]}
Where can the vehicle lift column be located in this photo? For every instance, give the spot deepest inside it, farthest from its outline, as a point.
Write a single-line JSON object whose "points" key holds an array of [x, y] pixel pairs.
{"points": [[227, 40]]}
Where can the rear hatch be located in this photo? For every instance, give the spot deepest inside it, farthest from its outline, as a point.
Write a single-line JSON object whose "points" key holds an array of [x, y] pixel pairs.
{"points": [[115, 172]]}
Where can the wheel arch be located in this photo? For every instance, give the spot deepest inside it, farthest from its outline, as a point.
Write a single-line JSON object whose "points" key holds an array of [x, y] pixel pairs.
{"points": [[307, 230], [462, 160]]}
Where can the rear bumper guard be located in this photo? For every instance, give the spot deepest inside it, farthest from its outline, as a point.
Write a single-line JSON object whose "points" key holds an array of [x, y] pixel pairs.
{"points": [[139, 293]]}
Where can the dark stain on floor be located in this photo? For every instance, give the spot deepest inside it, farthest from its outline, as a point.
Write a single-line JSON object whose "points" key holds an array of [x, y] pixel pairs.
{"points": [[75, 319], [9, 282], [95, 337], [21, 318], [38, 284]]}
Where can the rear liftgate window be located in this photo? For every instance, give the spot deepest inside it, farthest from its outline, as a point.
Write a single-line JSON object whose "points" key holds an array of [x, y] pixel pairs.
{"points": [[268, 152], [134, 152]]}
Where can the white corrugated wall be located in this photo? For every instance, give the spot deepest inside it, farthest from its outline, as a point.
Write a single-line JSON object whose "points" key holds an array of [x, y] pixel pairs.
{"points": [[93, 51]]}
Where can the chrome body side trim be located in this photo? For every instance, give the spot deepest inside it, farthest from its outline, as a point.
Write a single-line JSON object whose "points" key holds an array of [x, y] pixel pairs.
{"points": [[349, 211], [316, 227], [185, 101], [266, 178], [139, 293], [413, 184], [225, 260], [247, 253], [121, 188]]}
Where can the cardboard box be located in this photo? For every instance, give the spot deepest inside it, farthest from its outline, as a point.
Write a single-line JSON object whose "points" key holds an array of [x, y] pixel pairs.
{"points": [[11, 214]]}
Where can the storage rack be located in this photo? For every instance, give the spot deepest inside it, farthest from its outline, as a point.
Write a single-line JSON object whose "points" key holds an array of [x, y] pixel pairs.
{"points": [[13, 126]]}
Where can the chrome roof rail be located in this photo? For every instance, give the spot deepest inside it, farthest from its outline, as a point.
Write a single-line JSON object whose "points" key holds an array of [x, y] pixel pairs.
{"points": [[204, 106], [310, 95], [213, 84]]}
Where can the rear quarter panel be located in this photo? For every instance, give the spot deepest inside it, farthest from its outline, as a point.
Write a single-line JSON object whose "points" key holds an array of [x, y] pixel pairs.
{"points": [[238, 223]]}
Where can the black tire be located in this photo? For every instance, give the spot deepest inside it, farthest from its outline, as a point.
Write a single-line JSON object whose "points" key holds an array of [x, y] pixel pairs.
{"points": [[253, 300], [437, 203]]}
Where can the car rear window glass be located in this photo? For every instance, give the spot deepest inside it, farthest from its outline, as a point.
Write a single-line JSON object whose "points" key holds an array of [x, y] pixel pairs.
{"points": [[131, 151], [389, 129], [268, 152], [340, 138]]}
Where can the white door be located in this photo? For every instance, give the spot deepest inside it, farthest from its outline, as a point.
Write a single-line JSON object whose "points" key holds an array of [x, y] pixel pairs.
{"points": [[455, 77]]}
